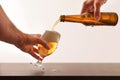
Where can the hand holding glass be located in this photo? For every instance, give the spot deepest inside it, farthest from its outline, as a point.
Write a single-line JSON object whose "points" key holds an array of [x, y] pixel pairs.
{"points": [[52, 38]]}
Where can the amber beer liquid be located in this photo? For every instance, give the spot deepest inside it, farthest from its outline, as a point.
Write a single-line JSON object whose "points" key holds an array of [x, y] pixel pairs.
{"points": [[52, 38], [106, 18]]}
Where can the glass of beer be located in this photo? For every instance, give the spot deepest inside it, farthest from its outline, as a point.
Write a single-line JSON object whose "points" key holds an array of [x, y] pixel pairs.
{"points": [[52, 38]]}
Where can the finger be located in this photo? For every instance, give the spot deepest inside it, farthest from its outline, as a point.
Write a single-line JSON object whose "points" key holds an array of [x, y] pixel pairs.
{"points": [[33, 38], [87, 6], [91, 9], [37, 40], [36, 56], [84, 8], [97, 6], [44, 43], [36, 35], [35, 50], [103, 2]]}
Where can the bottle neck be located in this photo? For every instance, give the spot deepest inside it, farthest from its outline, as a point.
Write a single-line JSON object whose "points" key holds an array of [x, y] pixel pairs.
{"points": [[71, 18]]}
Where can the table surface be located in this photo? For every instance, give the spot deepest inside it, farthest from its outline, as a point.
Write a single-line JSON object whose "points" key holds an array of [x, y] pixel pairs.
{"points": [[60, 69]]}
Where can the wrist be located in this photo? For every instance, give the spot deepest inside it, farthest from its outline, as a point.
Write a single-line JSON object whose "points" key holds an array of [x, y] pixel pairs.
{"points": [[19, 39]]}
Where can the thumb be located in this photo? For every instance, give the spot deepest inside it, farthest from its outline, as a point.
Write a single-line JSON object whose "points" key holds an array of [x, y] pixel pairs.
{"points": [[35, 39]]}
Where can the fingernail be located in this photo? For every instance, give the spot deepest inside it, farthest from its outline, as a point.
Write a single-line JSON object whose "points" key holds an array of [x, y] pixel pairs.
{"points": [[48, 47], [40, 59], [97, 18]]}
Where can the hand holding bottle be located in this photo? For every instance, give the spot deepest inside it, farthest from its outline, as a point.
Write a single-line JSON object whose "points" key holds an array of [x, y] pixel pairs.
{"points": [[93, 6]]}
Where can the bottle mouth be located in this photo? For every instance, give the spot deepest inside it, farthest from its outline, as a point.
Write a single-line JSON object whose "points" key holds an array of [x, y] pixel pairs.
{"points": [[62, 18], [116, 19]]}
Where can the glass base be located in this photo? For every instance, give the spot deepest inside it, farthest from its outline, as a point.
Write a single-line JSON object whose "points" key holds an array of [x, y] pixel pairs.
{"points": [[39, 65]]}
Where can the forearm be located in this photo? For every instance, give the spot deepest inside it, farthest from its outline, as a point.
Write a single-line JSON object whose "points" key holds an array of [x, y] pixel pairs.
{"points": [[8, 32]]}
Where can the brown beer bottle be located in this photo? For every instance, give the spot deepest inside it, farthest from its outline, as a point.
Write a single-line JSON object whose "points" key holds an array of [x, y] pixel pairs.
{"points": [[106, 19]]}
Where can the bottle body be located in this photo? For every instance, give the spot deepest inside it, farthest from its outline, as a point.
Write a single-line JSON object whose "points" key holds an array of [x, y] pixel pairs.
{"points": [[106, 18]]}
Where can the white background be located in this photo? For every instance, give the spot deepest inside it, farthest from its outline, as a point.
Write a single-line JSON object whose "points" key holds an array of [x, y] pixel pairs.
{"points": [[78, 43]]}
